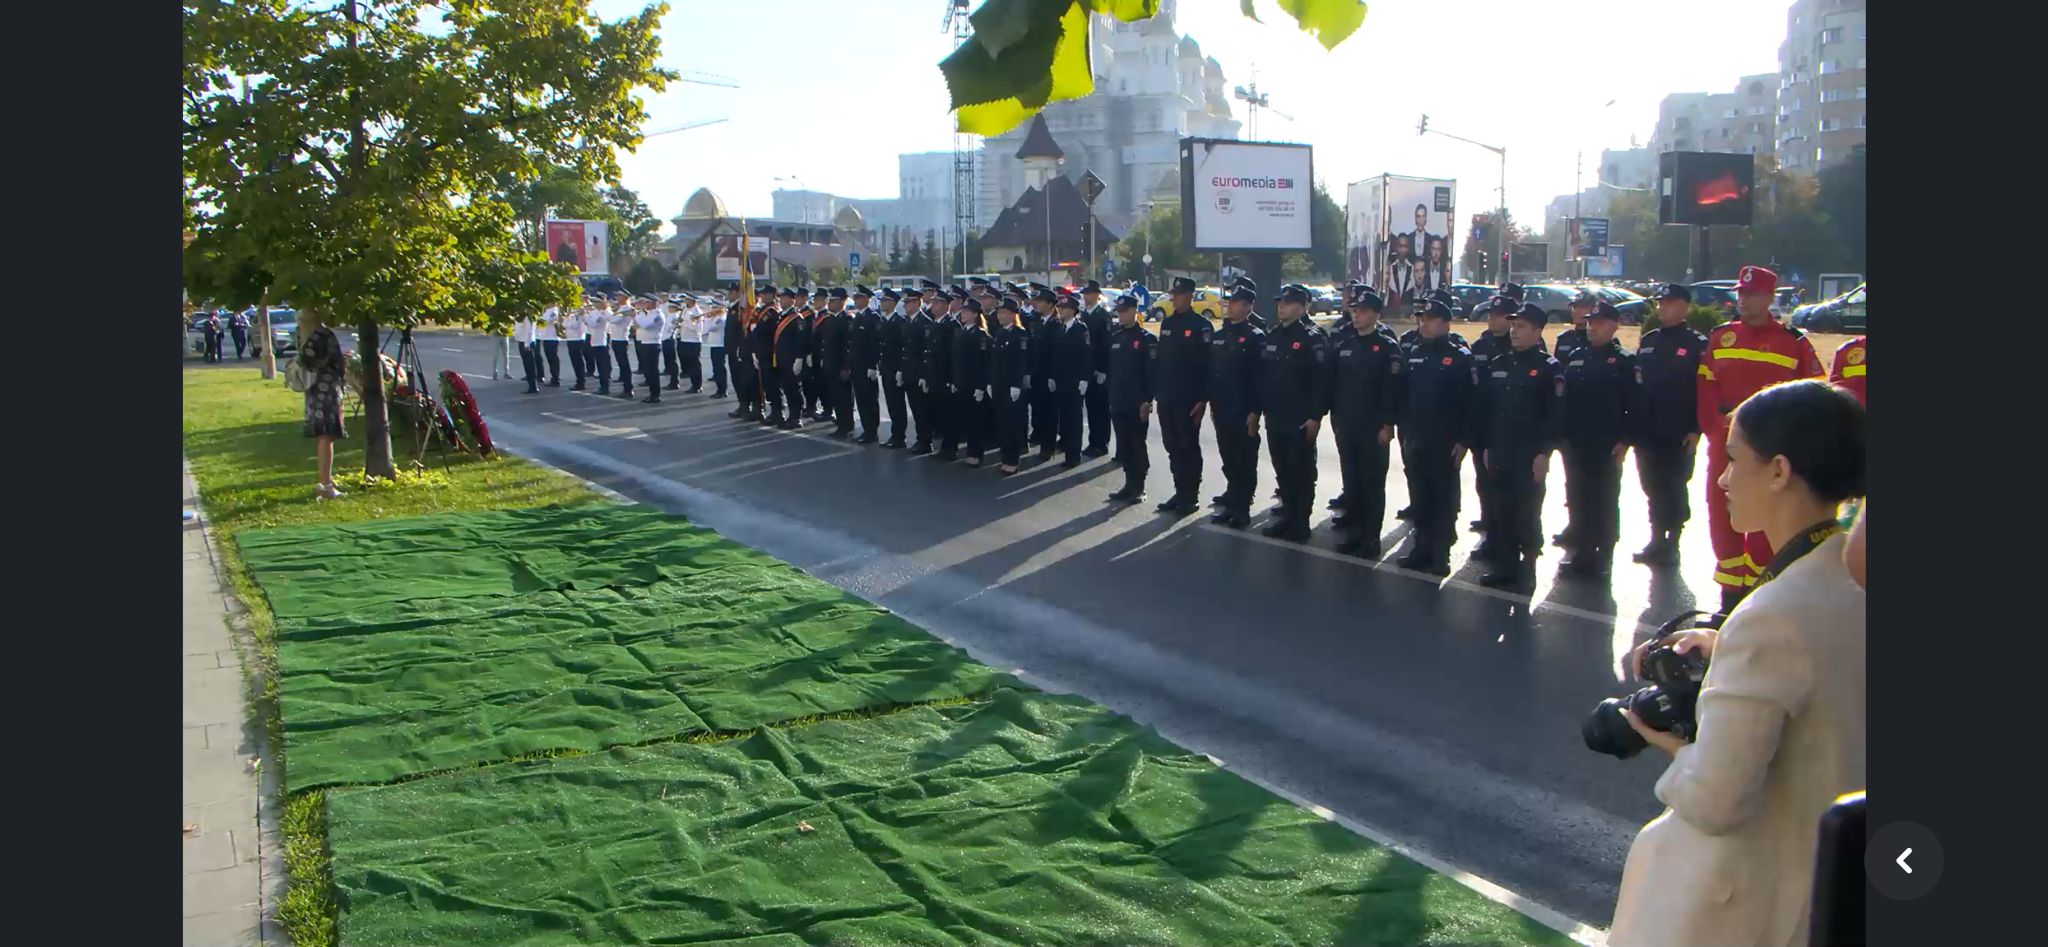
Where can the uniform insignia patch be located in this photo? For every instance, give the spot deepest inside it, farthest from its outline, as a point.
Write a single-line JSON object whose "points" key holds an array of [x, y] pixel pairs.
{"points": [[1297, 345], [1728, 338], [1681, 353], [1855, 356], [1188, 332], [1447, 360], [1532, 373], [1610, 359]]}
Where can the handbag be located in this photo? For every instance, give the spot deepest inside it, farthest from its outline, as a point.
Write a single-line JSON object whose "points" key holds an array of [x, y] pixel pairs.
{"points": [[296, 377]]}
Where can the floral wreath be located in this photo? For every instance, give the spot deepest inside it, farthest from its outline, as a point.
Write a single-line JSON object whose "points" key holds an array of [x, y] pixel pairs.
{"points": [[468, 419]]}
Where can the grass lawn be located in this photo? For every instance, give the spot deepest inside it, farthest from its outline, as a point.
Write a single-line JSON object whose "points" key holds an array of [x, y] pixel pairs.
{"points": [[245, 440]]}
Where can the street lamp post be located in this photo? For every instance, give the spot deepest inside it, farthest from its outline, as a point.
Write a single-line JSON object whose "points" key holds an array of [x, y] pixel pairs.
{"points": [[1422, 128]]}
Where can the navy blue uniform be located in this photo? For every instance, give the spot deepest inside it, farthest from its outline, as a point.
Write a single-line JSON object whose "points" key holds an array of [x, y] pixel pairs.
{"points": [[918, 332], [864, 357], [1294, 388], [1009, 379], [1668, 364], [1234, 352], [973, 412], [938, 377], [1521, 417], [1132, 365], [767, 379], [1600, 394], [890, 343], [792, 345], [1439, 386], [1099, 323], [1045, 412], [833, 333], [1072, 365], [1363, 400], [1183, 384]]}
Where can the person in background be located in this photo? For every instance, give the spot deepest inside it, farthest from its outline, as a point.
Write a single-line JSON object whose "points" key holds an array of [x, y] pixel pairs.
{"points": [[1131, 365], [674, 317], [690, 344], [1234, 352], [549, 333], [1602, 397], [238, 325], [1668, 427], [1520, 423], [211, 329], [648, 327], [1182, 378], [792, 345], [1435, 420], [577, 335], [711, 329], [524, 332], [621, 331], [1364, 404], [1847, 373], [597, 348], [1781, 710], [326, 364], [1491, 344], [1295, 382]]}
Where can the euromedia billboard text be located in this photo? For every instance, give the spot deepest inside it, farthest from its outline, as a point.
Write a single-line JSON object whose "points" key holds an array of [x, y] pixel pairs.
{"points": [[1245, 196]]}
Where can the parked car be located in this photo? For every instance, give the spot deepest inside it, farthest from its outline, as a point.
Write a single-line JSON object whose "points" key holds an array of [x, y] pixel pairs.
{"points": [[1843, 313], [1206, 303], [1720, 294], [1470, 296], [1324, 299], [1634, 309], [284, 331], [1554, 299]]}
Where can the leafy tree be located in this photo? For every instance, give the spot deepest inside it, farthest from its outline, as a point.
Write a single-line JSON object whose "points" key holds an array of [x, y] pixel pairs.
{"points": [[931, 251], [648, 276], [635, 231], [1024, 54], [1481, 257], [895, 257], [699, 270], [916, 261], [368, 174], [1327, 235]]}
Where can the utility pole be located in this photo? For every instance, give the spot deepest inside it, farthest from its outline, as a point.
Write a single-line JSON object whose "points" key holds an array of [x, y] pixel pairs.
{"points": [[1422, 128], [1578, 209]]}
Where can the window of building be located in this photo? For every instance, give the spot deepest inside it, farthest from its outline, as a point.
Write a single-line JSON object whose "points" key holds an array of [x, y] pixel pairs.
{"points": [[1680, 122], [1756, 128], [1830, 124], [1820, 155], [1859, 92], [1756, 88], [1859, 121], [1829, 65], [1730, 113], [1832, 34], [1831, 95], [1759, 109], [1860, 60]]}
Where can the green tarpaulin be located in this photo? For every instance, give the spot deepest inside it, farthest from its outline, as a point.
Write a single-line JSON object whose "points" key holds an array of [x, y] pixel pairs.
{"points": [[1024, 818], [415, 645]]}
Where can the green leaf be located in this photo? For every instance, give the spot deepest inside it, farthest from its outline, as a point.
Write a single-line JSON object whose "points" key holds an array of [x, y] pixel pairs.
{"points": [[1248, 11], [994, 94], [1001, 24], [1129, 11], [1329, 21]]}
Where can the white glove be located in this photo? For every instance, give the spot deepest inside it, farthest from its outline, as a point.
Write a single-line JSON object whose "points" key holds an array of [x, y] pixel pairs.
{"points": [[1016, 392], [1101, 378], [799, 364], [951, 389], [979, 394], [874, 375], [899, 379], [924, 386], [1052, 385], [1084, 386]]}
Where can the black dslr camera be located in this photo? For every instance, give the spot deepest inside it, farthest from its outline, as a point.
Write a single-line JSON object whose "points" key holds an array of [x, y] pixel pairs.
{"points": [[1667, 704]]}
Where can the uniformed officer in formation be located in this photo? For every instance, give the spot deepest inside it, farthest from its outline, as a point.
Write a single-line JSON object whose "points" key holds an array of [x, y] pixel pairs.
{"points": [[1439, 387], [1182, 383], [1045, 405], [1667, 430], [889, 363], [1132, 382], [1009, 379], [792, 356], [674, 318], [831, 335], [1571, 340], [1096, 317], [969, 366], [918, 328], [1600, 399], [1073, 370], [1234, 352], [739, 319], [1294, 393], [761, 347], [1366, 384], [649, 324], [938, 374], [863, 364], [1520, 423], [619, 329]]}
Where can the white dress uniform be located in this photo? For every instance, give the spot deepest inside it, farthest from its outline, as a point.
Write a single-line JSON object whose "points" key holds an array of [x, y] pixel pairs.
{"points": [[650, 326]]}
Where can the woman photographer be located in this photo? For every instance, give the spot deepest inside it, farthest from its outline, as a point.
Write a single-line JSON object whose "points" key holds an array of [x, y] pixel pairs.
{"points": [[1730, 861], [325, 364]]}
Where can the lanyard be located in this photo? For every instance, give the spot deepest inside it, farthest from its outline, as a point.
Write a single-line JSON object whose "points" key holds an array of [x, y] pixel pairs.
{"points": [[1801, 545]]}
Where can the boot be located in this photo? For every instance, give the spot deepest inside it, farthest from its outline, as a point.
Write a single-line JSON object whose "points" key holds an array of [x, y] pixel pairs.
{"points": [[737, 413], [1178, 503], [867, 437], [1415, 558], [1360, 545], [1519, 574], [1405, 513]]}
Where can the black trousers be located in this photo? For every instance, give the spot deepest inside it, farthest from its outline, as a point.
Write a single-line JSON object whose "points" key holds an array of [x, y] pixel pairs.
{"points": [[899, 409], [669, 360], [946, 417], [812, 387], [1294, 467], [1665, 467], [600, 356], [718, 361], [1240, 450], [793, 389], [1183, 439], [650, 367], [579, 360], [1592, 486], [923, 411], [1433, 492], [241, 340], [1517, 525], [529, 363], [691, 355], [1045, 415], [1483, 486], [1097, 403], [619, 349], [864, 391], [552, 349], [1362, 463], [1068, 401], [977, 421], [839, 398], [1012, 419], [768, 384], [1131, 431]]}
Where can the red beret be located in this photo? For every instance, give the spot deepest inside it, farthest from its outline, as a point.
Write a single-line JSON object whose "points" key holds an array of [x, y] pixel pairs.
{"points": [[1756, 279]]}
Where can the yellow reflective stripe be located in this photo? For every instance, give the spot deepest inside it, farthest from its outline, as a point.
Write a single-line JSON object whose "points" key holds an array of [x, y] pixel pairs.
{"points": [[1752, 355], [1705, 372], [1751, 563], [1741, 560], [1853, 371], [1729, 578]]}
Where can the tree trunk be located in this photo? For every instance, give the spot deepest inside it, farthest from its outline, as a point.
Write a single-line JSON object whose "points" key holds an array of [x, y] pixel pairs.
{"points": [[266, 343], [376, 419]]}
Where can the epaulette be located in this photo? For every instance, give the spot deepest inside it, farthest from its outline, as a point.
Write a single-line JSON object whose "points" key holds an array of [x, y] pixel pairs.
{"points": [[1797, 332]]}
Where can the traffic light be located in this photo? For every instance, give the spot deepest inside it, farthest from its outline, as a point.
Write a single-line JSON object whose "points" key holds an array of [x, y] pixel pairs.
{"points": [[1422, 126]]}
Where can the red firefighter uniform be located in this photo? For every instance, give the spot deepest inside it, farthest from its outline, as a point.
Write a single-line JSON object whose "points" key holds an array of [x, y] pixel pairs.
{"points": [[1848, 372], [1740, 361]]}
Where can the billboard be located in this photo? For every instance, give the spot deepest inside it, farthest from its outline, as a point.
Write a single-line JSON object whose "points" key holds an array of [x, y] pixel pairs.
{"points": [[725, 250], [585, 243], [1589, 237], [1705, 188], [1608, 266], [1244, 196], [1528, 259], [1399, 234]]}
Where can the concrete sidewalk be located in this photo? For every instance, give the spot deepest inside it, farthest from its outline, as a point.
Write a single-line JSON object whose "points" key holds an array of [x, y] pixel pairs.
{"points": [[233, 863]]}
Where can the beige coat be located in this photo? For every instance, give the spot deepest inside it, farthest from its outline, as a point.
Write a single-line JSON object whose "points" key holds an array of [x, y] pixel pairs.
{"points": [[1731, 861]]}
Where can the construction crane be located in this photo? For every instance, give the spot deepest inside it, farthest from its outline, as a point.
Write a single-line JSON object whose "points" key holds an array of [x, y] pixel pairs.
{"points": [[686, 126], [956, 24], [707, 78], [1256, 100]]}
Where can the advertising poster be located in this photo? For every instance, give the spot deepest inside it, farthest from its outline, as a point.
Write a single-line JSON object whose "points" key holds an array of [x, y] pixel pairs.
{"points": [[580, 242], [1589, 238], [725, 250], [1609, 266], [1245, 195], [1416, 249], [1363, 224]]}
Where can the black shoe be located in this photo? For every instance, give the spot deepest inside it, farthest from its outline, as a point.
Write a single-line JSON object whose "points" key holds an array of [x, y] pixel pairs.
{"points": [[949, 456], [1565, 539], [1358, 546], [736, 413], [1405, 513], [1219, 517], [841, 431], [718, 394], [556, 383], [606, 391], [1651, 552], [1094, 451], [625, 392], [1515, 576], [1121, 493], [1278, 511], [1176, 504], [1071, 462], [791, 424], [1415, 559], [656, 399], [1219, 499], [920, 450], [1276, 529], [576, 387], [531, 390], [694, 390], [1118, 459], [1343, 520], [672, 386], [1045, 453], [867, 438], [1476, 526], [1336, 502], [894, 443]]}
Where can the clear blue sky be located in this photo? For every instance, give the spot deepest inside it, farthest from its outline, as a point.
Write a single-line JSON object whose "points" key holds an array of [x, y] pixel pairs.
{"points": [[833, 90]]}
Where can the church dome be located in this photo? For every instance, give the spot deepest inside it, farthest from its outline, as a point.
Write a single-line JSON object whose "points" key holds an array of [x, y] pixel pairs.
{"points": [[1189, 49], [703, 205], [849, 219]]}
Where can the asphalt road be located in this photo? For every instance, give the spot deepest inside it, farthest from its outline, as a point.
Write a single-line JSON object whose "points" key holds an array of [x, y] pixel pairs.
{"points": [[1441, 715]]}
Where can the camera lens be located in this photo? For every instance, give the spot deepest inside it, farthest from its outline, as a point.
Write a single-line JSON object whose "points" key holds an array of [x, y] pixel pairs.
{"points": [[1606, 732]]}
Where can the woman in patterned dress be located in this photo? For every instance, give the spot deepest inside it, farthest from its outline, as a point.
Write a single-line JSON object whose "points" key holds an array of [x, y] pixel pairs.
{"points": [[320, 355]]}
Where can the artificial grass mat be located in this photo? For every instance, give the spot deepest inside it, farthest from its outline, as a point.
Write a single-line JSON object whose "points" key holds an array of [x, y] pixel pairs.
{"points": [[1021, 818], [415, 645]]}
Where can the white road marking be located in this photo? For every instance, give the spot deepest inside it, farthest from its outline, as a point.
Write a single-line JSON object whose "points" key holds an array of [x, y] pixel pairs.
{"points": [[447, 349], [601, 430]]}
